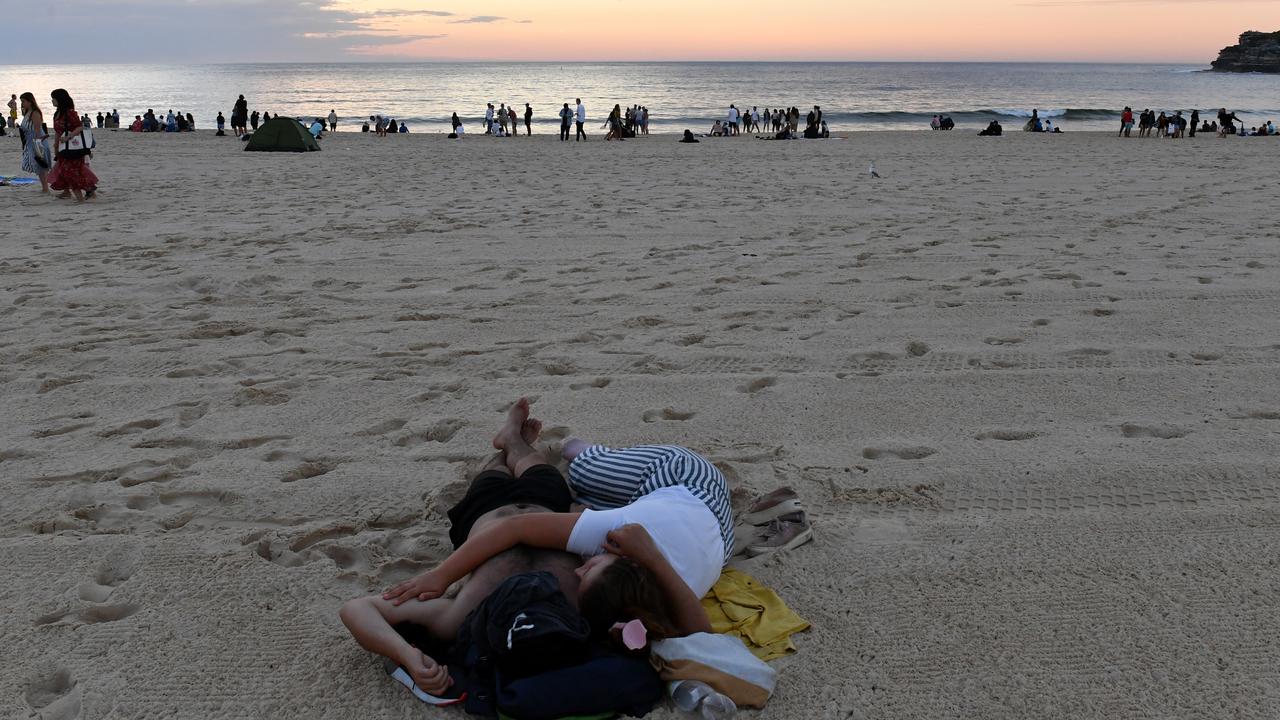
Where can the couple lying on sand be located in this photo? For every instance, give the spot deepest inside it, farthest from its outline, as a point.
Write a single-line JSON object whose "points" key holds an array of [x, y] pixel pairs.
{"points": [[655, 534]]}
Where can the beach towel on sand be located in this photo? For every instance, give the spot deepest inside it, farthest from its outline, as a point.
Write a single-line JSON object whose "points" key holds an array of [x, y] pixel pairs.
{"points": [[739, 605]]}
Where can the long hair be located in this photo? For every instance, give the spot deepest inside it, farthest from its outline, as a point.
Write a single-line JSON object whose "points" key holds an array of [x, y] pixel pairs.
{"points": [[62, 101], [31, 101], [626, 591]]}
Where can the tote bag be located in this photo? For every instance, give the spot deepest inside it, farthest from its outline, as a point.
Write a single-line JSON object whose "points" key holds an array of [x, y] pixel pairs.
{"points": [[78, 145]]}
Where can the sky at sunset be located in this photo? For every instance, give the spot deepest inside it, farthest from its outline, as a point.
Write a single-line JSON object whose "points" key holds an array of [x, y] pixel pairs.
{"points": [[1180, 31]]}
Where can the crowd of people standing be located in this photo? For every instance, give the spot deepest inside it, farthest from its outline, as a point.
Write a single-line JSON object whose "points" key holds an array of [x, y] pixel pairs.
{"points": [[1174, 126]]}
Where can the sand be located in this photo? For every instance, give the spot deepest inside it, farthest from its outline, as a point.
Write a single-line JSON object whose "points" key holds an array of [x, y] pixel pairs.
{"points": [[1026, 386]]}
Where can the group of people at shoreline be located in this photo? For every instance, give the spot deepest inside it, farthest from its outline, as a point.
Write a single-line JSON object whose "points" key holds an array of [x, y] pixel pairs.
{"points": [[1176, 126]]}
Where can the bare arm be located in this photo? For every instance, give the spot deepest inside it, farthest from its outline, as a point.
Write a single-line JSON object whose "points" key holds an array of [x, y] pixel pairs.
{"points": [[686, 608], [634, 542], [542, 530], [370, 620]]}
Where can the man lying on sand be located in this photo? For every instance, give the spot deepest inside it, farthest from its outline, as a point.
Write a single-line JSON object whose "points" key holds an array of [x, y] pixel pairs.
{"points": [[657, 538]]}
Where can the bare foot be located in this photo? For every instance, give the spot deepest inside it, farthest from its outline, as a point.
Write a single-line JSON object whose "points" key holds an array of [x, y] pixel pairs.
{"points": [[531, 431], [513, 428], [572, 448]]}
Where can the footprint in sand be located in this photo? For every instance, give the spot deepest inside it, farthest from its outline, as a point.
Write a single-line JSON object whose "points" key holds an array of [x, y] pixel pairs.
{"points": [[915, 348], [1007, 435], [382, 428], [111, 573], [757, 385], [53, 695], [442, 432], [598, 383], [130, 428], [918, 452], [1162, 432], [665, 414], [309, 469]]}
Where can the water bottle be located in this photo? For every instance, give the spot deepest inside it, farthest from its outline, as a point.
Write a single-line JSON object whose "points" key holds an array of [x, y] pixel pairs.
{"points": [[693, 696]]}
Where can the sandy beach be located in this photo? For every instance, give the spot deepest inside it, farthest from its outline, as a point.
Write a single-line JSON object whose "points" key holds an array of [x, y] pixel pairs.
{"points": [[1026, 386]]}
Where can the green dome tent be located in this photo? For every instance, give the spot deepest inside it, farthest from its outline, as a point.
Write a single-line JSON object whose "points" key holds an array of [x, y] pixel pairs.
{"points": [[282, 134]]}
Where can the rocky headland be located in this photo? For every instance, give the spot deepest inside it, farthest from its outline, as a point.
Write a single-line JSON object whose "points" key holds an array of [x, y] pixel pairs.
{"points": [[1256, 52]]}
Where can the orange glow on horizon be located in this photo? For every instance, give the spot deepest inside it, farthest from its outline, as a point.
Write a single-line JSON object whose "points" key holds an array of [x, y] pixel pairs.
{"points": [[1174, 31]]}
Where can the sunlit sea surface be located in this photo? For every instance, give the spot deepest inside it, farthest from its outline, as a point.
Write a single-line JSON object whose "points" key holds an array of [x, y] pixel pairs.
{"points": [[854, 96]]}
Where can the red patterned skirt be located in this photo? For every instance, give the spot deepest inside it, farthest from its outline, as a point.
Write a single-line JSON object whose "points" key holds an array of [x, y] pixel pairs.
{"points": [[72, 174]]}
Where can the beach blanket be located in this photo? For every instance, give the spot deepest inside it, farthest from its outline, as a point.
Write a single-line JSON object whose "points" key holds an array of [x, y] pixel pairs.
{"points": [[739, 605], [16, 180]]}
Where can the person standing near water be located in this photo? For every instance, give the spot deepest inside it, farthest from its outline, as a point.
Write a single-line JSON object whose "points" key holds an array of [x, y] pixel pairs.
{"points": [[71, 173], [35, 144], [240, 116], [528, 119], [13, 111], [566, 117], [581, 115], [1195, 122], [333, 121]]}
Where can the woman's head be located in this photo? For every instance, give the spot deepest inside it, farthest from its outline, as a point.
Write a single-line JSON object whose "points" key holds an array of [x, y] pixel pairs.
{"points": [[617, 590], [62, 100], [29, 103]]}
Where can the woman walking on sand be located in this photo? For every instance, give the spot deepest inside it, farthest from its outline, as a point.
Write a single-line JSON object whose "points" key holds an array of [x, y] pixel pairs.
{"points": [[35, 144], [71, 173]]}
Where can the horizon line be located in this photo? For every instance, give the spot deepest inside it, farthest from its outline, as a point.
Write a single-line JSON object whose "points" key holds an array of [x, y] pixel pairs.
{"points": [[459, 61]]}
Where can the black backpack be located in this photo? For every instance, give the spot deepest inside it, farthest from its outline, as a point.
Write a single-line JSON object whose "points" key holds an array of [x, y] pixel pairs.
{"points": [[524, 628]]}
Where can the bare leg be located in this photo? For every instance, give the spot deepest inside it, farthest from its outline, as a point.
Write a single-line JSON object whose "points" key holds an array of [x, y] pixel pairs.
{"points": [[520, 454], [530, 432]]}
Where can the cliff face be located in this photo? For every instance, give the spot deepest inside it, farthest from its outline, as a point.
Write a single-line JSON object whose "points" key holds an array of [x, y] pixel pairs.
{"points": [[1257, 52]]}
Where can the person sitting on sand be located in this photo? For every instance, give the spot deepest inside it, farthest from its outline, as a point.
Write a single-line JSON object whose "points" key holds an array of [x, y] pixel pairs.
{"points": [[688, 137], [993, 129], [717, 129], [137, 124], [657, 530]]}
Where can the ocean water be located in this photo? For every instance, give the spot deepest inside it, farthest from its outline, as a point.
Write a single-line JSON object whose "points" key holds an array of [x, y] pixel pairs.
{"points": [[854, 96]]}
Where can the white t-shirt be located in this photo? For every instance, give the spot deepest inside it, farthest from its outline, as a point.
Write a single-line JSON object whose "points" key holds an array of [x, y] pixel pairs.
{"points": [[681, 525], [582, 113]]}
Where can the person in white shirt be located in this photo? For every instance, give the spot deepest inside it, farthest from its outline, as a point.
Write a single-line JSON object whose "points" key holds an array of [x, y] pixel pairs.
{"points": [[581, 115], [333, 120], [733, 120], [488, 120], [656, 533]]}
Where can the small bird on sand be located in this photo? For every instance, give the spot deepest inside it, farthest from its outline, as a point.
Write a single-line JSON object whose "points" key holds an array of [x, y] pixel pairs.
{"points": [[872, 170]]}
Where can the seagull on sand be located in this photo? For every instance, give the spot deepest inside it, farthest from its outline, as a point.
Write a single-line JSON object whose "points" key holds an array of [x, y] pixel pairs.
{"points": [[872, 170]]}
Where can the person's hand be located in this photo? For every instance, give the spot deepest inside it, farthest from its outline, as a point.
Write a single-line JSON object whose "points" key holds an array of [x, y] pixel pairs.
{"points": [[430, 676], [634, 542], [424, 587]]}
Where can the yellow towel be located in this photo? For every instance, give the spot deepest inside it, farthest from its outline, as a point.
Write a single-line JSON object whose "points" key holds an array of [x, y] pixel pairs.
{"points": [[739, 605]]}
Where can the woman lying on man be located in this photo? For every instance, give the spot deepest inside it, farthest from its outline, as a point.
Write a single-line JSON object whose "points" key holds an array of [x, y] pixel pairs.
{"points": [[656, 533]]}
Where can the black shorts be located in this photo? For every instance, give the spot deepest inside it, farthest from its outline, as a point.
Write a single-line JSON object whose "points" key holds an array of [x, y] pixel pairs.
{"points": [[540, 485]]}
